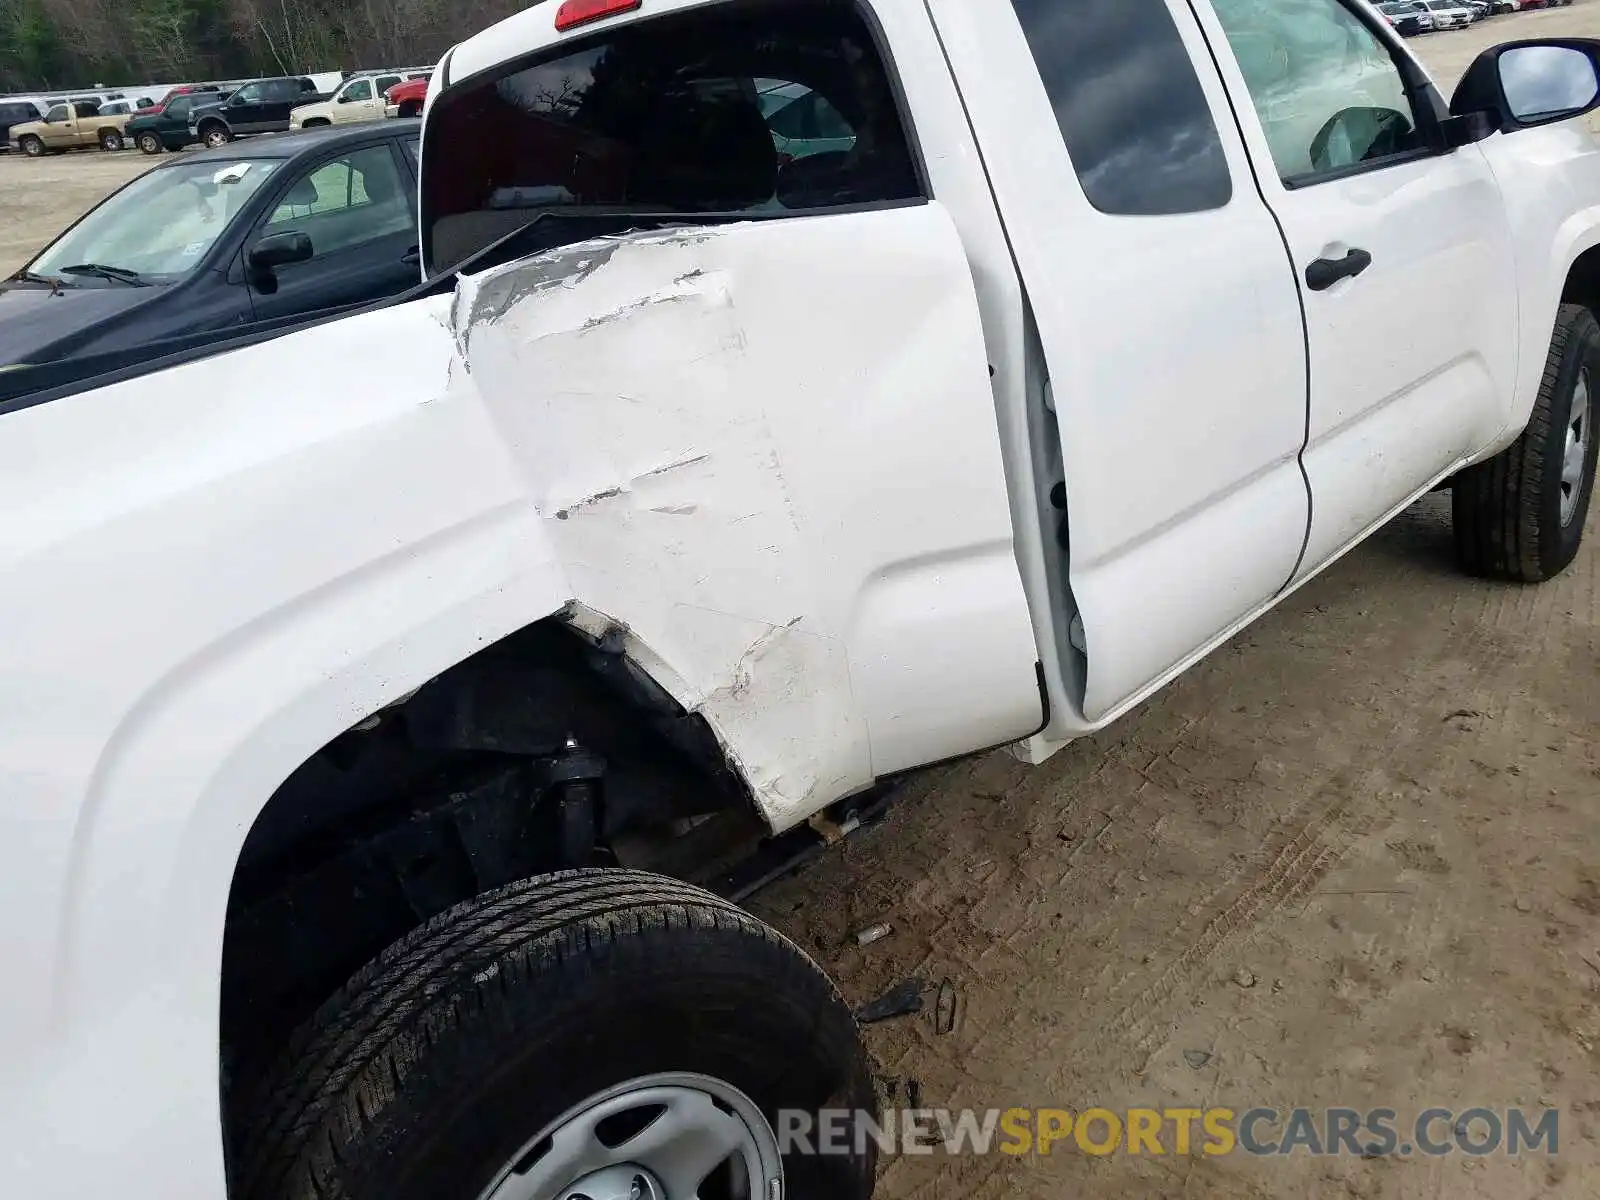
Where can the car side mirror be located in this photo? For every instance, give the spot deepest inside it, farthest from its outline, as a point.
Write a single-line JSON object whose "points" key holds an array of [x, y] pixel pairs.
{"points": [[344, 97], [1521, 85], [279, 250]]}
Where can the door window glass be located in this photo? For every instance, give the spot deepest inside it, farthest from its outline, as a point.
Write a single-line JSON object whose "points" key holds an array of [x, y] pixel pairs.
{"points": [[347, 202], [248, 94], [386, 82], [57, 115], [361, 89], [1326, 88], [1130, 107]]}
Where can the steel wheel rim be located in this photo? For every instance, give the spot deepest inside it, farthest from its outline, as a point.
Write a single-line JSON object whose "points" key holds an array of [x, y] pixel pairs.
{"points": [[659, 1137], [1575, 448]]}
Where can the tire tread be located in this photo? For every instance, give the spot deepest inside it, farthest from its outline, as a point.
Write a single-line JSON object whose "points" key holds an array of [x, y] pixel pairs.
{"points": [[356, 1052], [1496, 506]]}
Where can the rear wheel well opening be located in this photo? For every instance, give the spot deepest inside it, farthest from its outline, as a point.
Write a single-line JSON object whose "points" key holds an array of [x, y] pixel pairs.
{"points": [[1583, 281], [544, 751]]}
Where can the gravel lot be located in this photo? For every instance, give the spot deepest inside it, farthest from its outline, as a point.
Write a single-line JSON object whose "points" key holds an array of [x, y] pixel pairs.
{"points": [[1353, 859]]}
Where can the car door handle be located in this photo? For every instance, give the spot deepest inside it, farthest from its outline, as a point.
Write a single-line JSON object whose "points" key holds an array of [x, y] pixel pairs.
{"points": [[1325, 272]]}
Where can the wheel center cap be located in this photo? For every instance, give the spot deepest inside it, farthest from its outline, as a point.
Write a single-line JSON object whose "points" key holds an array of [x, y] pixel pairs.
{"points": [[623, 1182]]}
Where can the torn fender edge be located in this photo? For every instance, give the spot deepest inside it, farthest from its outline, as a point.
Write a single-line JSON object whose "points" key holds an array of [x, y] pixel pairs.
{"points": [[667, 689]]}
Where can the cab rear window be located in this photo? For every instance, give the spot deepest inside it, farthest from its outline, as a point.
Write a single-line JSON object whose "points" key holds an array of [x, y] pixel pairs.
{"points": [[768, 108]]}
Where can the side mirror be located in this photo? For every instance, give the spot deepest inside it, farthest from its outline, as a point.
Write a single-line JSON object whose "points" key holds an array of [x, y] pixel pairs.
{"points": [[279, 250], [344, 97], [1524, 84]]}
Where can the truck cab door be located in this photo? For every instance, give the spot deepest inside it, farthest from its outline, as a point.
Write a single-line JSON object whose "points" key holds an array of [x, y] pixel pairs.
{"points": [[353, 104], [1166, 310], [59, 127], [276, 102], [1402, 252], [241, 110]]}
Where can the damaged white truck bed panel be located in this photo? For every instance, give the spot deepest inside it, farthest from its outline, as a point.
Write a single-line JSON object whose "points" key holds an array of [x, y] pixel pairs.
{"points": [[703, 417]]}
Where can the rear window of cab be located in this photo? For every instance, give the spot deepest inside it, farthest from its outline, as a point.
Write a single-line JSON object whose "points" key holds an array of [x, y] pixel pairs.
{"points": [[763, 108]]}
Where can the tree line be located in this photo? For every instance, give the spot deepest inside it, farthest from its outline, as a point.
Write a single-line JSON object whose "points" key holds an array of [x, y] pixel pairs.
{"points": [[54, 45]]}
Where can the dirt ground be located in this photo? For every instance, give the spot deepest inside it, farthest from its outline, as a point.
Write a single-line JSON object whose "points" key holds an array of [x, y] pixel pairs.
{"points": [[1350, 860], [41, 197]]}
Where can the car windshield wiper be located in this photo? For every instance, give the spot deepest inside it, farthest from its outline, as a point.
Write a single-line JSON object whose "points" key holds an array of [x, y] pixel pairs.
{"points": [[101, 271]]}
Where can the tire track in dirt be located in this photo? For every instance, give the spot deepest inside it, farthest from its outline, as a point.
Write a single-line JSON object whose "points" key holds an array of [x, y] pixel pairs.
{"points": [[1305, 858]]}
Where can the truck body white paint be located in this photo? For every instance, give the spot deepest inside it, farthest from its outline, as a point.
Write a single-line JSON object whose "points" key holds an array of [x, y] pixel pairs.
{"points": [[803, 465]]}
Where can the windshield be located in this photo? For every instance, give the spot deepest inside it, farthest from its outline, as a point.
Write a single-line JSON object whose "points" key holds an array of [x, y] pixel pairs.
{"points": [[161, 224]]}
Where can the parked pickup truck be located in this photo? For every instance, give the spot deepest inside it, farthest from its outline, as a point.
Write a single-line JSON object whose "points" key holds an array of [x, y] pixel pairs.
{"points": [[75, 125], [166, 126], [376, 690], [406, 99], [260, 106]]}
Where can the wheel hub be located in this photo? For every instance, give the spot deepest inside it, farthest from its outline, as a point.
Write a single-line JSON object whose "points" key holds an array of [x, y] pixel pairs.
{"points": [[1575, 450], [624, 1182], [658, 1137]]}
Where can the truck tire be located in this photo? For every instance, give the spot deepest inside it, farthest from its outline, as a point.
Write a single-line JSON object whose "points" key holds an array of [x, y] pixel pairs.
{"points": [[411, 108], [1519, 516], [150, 143], [316, 123], [110, 140], [31, 146], [655, 1027], [214, 135]]}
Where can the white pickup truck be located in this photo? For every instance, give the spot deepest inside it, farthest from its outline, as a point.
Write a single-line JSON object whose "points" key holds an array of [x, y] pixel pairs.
{"points": [[800, 392]]}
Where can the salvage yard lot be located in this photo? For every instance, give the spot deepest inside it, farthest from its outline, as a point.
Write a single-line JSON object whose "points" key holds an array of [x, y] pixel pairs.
{"points": [[1350, 860]]}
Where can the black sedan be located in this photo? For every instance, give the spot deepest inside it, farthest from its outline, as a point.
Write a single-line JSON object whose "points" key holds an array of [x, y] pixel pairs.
{"points": [[223, 239]]}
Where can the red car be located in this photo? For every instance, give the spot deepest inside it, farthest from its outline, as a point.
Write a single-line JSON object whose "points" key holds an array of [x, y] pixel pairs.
{"points": [[405, 99], [181, 90]]}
